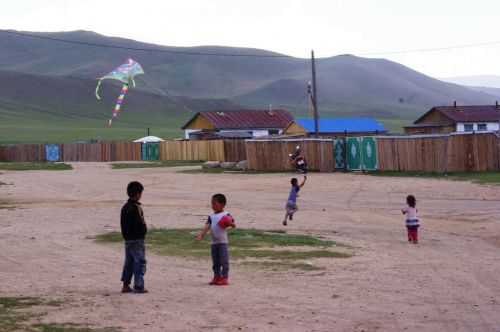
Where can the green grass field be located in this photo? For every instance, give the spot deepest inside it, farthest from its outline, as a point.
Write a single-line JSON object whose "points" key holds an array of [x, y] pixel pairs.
{"points": [[264, 248], [34, 166]]}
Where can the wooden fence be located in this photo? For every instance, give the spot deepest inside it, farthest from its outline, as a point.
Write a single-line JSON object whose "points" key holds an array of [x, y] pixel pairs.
{"points": [[273, 155], [98, 152], [431, 153], [23, 153], [450, 153], [192, 150]]}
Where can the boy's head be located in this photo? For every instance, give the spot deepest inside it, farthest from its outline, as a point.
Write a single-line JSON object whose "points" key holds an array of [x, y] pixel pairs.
{"points": [[218, 202], [134, 190], [411, 201], [294, 182]]}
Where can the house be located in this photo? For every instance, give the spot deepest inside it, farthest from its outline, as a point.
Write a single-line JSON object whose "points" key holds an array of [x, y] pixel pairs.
{"points": [[329, 127], [448, 119], [237, 124]]}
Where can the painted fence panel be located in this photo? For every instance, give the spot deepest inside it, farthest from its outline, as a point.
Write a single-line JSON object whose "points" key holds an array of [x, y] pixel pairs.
{"points": [[368, 153], [353, 154], [52, 152], [340, 153]]}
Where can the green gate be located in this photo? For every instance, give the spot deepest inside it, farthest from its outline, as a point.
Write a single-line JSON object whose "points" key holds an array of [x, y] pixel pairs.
{"points": [[353, 154], [150, 151], [362, 154], [340, 153], [369, 153]]}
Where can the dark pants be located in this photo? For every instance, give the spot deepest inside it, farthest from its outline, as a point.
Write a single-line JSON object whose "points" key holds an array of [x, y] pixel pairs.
{"points": [[220, 259], [412, 233], [135, 263]]}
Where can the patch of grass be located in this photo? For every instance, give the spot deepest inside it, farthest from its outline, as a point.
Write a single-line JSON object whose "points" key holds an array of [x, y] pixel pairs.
{"points": [[16, 315], [69, 328], [34, 166], [154, 164], [248, 244], [476, 177]]}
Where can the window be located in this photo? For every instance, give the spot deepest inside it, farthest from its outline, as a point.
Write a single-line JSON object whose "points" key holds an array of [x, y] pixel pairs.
{"points": [[468, 127], [274, 132], [482, 127]]}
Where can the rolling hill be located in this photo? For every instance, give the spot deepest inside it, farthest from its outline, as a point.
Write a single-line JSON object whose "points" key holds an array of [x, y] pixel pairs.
{"points": [[176, 84], [37, 108]]}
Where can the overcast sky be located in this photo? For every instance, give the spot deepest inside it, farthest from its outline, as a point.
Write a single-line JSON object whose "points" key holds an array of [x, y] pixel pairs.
{"points": [[293, 27]]}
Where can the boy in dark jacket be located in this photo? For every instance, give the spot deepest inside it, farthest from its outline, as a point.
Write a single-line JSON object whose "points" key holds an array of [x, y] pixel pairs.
{"points": [[134, 231]]}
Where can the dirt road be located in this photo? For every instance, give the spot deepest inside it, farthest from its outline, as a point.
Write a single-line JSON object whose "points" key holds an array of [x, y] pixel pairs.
{"points": [[449, 282]]}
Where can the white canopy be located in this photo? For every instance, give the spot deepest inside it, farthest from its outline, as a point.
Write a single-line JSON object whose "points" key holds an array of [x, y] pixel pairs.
{"points": [[149, 139]]}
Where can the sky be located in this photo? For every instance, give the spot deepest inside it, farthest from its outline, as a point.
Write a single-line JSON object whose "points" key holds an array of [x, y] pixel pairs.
{"points": [[371, 28]]}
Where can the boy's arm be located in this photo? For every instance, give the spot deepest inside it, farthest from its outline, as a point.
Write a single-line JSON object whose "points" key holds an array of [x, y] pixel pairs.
{"points": [[203, 232], [303, 181]]}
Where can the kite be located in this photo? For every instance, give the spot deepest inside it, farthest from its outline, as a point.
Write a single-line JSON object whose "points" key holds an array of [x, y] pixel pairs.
{"points": [[125, 74], [298, 160]]}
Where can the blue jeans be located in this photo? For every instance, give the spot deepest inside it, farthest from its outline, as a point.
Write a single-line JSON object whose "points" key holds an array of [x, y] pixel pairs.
{"points": [[135, 263], [220, 260]]}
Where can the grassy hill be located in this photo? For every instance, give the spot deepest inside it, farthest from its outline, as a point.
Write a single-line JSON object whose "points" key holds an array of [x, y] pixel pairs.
{"points": [[59, 93], [36, 108]]}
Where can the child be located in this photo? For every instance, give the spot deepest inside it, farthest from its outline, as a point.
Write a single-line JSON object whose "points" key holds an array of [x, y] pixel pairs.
{"points": [[291, 204], [298, 160], [134, 230], [217, 224], [412, 222]]}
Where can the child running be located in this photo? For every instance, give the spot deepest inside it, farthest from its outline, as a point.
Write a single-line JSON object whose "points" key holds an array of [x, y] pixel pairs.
{"points": [[412, 222], [217, 224], [291, 204], [134, 230]]}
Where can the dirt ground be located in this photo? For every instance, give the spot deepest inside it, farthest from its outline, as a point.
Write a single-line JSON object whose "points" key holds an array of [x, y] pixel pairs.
{"points": [[449, 282]]}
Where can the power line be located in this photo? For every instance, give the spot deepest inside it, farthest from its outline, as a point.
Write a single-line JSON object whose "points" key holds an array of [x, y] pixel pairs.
{"points": [[158, 50]]}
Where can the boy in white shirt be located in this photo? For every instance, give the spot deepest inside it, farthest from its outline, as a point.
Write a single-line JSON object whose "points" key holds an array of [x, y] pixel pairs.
{"points": [[216, 224]]}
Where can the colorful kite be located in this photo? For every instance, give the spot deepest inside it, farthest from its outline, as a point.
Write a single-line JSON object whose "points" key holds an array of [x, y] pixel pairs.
{"points": [[125, 74]]}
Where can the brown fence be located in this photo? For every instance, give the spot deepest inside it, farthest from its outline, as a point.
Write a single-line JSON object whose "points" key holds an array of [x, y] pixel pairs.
{"points": [[453, 153], [23, 153], [235, 150], [192, 150], [273, 155], [113, 151]]}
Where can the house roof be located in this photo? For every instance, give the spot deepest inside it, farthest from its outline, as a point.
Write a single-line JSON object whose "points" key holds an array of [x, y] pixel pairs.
{"points": [[474, 113], [246, 119], [342, 125]]}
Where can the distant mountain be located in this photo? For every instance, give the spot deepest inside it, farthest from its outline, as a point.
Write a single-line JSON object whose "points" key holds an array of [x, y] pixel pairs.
{"points": [[56, 78], [490, 81]]}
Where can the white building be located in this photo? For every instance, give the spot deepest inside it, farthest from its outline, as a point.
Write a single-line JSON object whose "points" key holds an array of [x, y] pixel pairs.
{"points": [[448, 119]]}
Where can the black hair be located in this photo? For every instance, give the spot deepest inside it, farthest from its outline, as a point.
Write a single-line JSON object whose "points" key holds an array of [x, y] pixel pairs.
{"points": [[220, 198], [411, 201], [134, 188], [294, 181]]}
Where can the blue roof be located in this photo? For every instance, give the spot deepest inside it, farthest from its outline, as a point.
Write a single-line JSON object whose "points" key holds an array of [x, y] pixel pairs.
{"points": [[342, 125]]}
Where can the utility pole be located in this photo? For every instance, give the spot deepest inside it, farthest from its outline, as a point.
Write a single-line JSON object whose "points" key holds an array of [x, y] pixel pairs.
{"points": [[314, 95]]}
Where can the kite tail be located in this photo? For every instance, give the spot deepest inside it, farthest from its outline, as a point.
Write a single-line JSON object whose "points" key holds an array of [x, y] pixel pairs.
{"points": [[119, 103], [133, 82], [97, 90]]}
